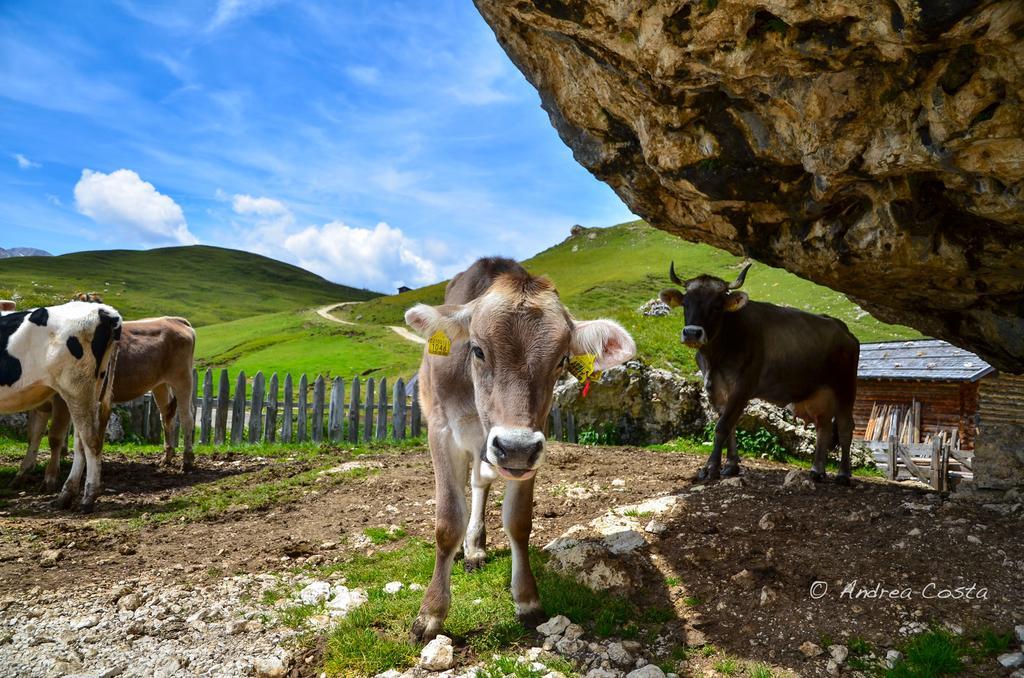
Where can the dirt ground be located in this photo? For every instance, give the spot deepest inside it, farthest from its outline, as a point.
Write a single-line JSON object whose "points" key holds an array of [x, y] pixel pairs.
{"points": [[786, 539]]}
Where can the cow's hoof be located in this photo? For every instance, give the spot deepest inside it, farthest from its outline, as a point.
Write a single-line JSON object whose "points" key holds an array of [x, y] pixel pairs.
{"points": [[843, 479], [64, 500], [532, 618], [474, 563], [730, 470], [818, 477], [425, 628], [50, 487], [87, 506], [709, 473]]}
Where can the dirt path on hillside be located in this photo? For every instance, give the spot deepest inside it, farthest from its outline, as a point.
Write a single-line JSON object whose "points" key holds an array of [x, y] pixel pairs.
{"points": [[325, 312], [738, 563]]}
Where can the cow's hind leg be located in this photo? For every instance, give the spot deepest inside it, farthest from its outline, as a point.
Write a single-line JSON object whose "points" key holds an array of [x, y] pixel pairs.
{"points": [[517, 515], [58, 440], [184, 389], [450, 470], [73, 484], [37, 419], [86, 418], [844, 427], [474, 548], [167, 404], [823, 427], [732, 464]]}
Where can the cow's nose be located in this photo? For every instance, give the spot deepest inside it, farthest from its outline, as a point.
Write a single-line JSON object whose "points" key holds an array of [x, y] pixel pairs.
{"points": [[693, 334], [515, 448]]}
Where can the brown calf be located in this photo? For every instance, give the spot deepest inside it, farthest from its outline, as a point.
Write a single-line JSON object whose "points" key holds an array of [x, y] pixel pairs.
{"points": [[155, 355], [486, 404]]}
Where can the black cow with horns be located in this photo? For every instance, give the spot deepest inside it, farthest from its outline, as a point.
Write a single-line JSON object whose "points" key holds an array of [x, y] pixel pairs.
{"points": [[750, 349]]}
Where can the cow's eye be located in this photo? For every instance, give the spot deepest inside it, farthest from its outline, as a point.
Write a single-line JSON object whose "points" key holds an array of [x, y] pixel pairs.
{"points": [[478, 352]]}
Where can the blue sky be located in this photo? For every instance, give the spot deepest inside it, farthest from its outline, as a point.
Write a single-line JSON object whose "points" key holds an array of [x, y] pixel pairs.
{"points": [[375, 143]]}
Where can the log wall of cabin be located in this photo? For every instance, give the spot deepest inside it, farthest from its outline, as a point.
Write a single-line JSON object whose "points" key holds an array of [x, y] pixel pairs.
{"points": [[944, 404], [999, 454]]}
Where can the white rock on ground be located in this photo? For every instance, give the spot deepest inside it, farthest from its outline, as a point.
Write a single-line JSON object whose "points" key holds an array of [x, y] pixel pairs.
{"points": [[1011, 660], [554, 626], [438, 654], [809, 649], [393, 587], [344, 600], [314, 592], [839, 652], [269, 667], [648, 671], [1020, 632]]}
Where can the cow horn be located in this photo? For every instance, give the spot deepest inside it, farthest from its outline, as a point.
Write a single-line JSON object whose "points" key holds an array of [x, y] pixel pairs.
{"points": [[738, 282], [672, 274]]}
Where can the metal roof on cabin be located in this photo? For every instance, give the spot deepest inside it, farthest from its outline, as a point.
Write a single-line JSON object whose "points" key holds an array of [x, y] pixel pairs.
{"points": [[923, 359]]}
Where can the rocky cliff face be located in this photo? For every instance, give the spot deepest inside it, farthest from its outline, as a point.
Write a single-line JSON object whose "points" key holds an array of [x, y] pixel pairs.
{"points": [[873, 146]]}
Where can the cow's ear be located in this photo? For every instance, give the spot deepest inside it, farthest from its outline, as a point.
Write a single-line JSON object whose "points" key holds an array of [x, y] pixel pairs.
{"points": [[606, 339], [452, 319], [671, 296], [734, 301]]}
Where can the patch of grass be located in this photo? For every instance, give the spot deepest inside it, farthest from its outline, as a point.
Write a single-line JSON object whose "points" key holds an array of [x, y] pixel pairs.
{"points": [[727, 666], [761, 670], [189, 281], [373, 638], [692, 601], [502, 666], [933, 653], [383, 535], [989, 643], [634, 513]]}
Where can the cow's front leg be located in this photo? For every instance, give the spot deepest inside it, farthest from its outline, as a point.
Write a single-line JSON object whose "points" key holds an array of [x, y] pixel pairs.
{"points": [[475, 546], [517, 515], [73, 484], [450, 471], [823, 444], [724, 430]]}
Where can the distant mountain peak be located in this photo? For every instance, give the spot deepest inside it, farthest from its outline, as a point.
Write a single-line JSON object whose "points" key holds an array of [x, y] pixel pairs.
{"points": [[23, 252]]}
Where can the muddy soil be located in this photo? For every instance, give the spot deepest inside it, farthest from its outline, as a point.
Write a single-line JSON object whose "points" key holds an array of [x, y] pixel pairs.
{"points": [[875, 534]]}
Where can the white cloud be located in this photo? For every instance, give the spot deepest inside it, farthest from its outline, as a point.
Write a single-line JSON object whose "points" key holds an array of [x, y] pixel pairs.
{"points": [[367, 75], [378, 258], [231, 10], [123, 200], [25, 163], [264, 207]]}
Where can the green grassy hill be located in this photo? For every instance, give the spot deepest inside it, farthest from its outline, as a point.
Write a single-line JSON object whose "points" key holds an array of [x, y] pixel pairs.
{"points": [[605, 272], [204, 284]]}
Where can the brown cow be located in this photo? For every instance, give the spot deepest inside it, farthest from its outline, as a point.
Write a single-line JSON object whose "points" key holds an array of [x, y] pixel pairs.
{"points": [[154, 354], [487, 404]]}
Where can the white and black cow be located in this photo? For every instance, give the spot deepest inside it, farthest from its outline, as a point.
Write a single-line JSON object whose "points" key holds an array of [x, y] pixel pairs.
{"points": [[67, 350]]}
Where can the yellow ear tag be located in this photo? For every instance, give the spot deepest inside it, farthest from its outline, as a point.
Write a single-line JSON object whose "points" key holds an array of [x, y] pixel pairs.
{"points": [[582, 366], [439, 344]]}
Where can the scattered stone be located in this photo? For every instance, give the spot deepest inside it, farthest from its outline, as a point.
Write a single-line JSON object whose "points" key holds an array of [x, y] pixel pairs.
{"points": [[973, 539], [170, 666], [768, 595], [655, 307], [416, 587], [839, 652], [554, 626], [891, 657], [916, 532], [832, 667], [766, 522], [1020, 632], [314, 592], [393, 587], [647, 671], [130, 602], [618, 482], [735, 481], [49, 557], [573, 632], [1011, 660], [655, 527], [344, 600], [84, 623], [602, 673], [438, 654], [618, 655], [269, 667], [810, 650], [797, 478], [744, 579]]}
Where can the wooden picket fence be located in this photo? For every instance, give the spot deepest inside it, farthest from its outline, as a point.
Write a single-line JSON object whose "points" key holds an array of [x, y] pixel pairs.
{"points": [[286, 410], [289, 410]]}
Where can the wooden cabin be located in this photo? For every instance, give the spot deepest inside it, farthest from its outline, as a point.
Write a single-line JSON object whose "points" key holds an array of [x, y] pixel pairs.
{"points": [[931, 383], [938, 388]]}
